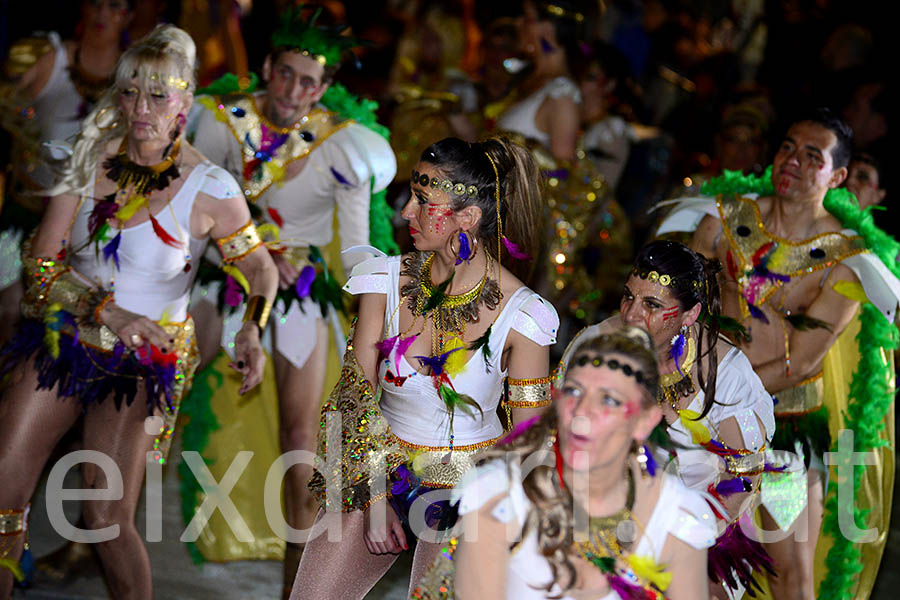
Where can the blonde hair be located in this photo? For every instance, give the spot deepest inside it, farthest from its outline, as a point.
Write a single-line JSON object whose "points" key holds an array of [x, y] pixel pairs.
{"points": [[165, 59]]}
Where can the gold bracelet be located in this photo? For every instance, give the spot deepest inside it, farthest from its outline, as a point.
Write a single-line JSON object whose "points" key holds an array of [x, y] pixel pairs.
{"points": [[239, 244], [372, 500], [258, 309], [13, 522], [530, 395], [535, 381], [100, 306]]}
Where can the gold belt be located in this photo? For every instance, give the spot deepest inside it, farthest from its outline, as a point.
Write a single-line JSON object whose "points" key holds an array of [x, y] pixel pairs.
{"points": [[803, 398], [441, 466]]}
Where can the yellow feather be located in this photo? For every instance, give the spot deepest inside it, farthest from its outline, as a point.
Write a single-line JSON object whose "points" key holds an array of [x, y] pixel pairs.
{"points": [[852, 290], [276, 172], [164, 319], [13, 565], [132, 206], [51, 335], [269, 232], [419, 462], [646, 568], [456, 362], [213, 105], [779, 258], [699, 432], [238, 276]]}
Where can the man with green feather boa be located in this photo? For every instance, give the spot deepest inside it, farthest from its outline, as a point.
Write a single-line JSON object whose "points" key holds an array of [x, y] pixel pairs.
{"points": [[806, 270], [304, 150]]}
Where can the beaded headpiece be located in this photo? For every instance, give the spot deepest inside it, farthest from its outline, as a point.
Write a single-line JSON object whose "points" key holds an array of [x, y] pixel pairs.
{"points": [[445, 185], [562, 13], [664, 279], [612, 364], [326, 45]]}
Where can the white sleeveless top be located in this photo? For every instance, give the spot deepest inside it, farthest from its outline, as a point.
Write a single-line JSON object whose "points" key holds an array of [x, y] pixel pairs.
{"points": [[414, 410], [679, 512], [152, 279], [519, 118], [739, 394]]}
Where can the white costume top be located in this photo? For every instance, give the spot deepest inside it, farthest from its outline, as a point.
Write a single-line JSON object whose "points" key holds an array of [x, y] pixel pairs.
{"points": [[306, 202], [519, 118], [151, 279], [679, 512], [58, 109], [739, 394], [610, 139], [414, 410]]}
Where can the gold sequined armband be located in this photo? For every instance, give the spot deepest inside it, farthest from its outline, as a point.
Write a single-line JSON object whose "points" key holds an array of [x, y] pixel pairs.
{"points": [[258, 309], [13, 522], [240, 243], [529, 393], [750, 464]]}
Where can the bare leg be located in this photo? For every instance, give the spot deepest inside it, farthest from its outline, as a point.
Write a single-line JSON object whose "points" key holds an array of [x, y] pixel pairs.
{"points": [[795, 554], [120, 435], [31, 424], [299, 399], [208, 325], [343, 570], [10, 297], [425, 554]]}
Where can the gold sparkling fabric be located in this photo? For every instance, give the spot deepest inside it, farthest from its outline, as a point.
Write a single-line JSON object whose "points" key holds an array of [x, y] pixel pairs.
{"points": [[746, 235], [369, 449], [239, 244], [437, 583], [11, 521], [803, 398], [535, 395], [244, 119], [749, 464]]}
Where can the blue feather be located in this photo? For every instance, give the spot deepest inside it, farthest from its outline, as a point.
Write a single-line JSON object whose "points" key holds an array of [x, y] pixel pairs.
{"points": [[677, 350], [112, 249], [436, 363], [341, 179]]}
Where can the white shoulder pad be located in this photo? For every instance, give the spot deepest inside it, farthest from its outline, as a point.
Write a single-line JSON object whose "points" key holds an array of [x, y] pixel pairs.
{"points": [[687, 213], [563, 87], [218, 183], [375, 152], [537, 320], [881, 286], [693, 521], [371, 276]]}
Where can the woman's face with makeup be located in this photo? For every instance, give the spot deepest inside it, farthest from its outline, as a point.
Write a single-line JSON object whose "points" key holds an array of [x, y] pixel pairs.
{"points": [[431, 219], [600, 413], [653, 307]]}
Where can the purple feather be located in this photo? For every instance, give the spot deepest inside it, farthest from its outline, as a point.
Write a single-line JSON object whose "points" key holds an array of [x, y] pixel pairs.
{"points": [[518, 430], [386, 346], [558, 173], [737, 485], [233, 295], [341, 179], [625, 589], [651, 461], [756, 313], [734, 558], [402, 345], [546, 47], [677, 350], [770, 468], [112, 249], [305, 280], [103, 211], [514, 250], [436, 363], [465, 251]]}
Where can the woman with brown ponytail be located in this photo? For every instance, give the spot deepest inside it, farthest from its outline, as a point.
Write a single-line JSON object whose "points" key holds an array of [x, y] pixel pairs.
{"points": [[439, 331], [721, 424]]}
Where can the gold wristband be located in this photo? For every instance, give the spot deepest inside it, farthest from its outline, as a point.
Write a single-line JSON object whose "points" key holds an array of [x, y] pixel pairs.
{"points": [[14, 522], [534, 381], [750, 464], [529, 395], [258, 309], [239, 244]]}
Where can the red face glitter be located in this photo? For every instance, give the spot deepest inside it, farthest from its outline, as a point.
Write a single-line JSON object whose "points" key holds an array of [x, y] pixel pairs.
{"points": [[670, 313]]}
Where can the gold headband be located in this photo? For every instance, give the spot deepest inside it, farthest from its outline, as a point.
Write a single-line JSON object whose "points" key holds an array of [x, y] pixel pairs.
{"points": [[663, 280], [445, 185], [559, 11]]}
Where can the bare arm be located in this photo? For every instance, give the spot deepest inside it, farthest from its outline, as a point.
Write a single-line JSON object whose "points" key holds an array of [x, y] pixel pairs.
{"points": [[730, 435], [808, 348], [560, 118], [688, 568], [482, 561], [527, 360], [369, 328], [707, 236]]}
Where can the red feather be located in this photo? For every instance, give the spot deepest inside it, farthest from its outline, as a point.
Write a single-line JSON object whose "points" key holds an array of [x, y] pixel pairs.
{"points": [[732, 268], [276, 216], [163, 234], [757, 256]]}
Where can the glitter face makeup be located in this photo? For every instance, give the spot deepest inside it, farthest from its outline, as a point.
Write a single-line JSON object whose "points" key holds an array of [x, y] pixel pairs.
{"points": [[670, 313]]}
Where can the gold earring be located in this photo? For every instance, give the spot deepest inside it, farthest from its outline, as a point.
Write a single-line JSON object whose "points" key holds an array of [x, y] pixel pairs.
{"points": [[99, 117]]}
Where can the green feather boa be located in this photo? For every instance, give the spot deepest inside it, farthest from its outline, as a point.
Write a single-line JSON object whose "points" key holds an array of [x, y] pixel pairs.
{"points": [[338, 100], [871, 392]]}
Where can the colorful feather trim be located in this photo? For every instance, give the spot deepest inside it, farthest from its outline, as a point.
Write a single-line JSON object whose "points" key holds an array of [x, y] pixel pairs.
{"points": [[514, 250], [735, 557], [483, 343], [163, 235], [111, 250], [438, 295]]}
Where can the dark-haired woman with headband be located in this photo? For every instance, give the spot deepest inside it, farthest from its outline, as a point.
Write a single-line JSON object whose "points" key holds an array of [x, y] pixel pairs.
{"points": [[569, 508], [718, 414], [439, 332]]}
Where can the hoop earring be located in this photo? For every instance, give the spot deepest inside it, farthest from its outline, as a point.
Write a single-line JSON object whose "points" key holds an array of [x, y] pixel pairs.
{"points": [[466, 248], [645, 460], [99, 116]]}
